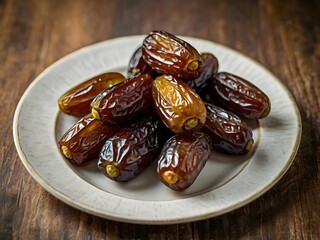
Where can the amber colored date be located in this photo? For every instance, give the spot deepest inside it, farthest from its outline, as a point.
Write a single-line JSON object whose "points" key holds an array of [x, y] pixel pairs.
{"points": [[131, 150], [168, 54], [210, 66], [84, 140], [177, 104], [77, 100], [125, 101], [228, 132], [239, 96], [137, 65], [182, 159]]}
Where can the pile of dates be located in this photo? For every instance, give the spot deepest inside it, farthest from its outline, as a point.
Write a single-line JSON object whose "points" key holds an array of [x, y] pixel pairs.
{"points": [[173, 107]]}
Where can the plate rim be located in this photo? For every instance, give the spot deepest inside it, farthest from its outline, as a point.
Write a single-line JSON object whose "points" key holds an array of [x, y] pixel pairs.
{"points": [[132, 219]]}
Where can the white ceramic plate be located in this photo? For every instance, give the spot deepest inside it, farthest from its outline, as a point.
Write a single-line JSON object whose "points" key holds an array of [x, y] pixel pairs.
{"points": [[226, 183]]}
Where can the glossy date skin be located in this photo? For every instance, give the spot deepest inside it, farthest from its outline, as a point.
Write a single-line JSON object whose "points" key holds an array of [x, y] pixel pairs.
{"points": [[210, 66], [239, 96], [137, 65], [125, 101], [180, 108], [84, 140], [168, 54], [182, 159], [131, 150], [229, 134], [77, 100]]}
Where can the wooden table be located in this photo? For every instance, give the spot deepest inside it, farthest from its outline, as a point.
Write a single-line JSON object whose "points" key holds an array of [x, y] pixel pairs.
{"points": [[284, 36]]}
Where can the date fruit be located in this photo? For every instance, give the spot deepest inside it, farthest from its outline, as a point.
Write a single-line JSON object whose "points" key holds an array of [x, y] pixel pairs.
{"points": [[228, 132], [168, 54], [131, 150], [210, 66], [77, 100], [125, 101], [239, 96], [137, 65], [180, 108], [84, 140], [182, 159]]}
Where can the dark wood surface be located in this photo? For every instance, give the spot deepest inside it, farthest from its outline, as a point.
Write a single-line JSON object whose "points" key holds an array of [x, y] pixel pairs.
{"points": [[284, 36]]}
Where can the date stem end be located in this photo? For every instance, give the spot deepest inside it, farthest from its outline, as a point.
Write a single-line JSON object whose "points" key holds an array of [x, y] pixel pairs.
{"points": [[112, 171], [249, 145], [191, 123], [66, 152], [194, 65], [265, 113], [95, 113], [170, 177]]}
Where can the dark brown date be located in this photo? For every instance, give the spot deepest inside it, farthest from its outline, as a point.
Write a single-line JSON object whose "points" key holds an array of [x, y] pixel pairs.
{"points": [[125, 101], [171, 55], [210, 66], [137, 65], [131, 150], [239, 96], [180, 108], [77, 100], [182, 159], [228, 132], [84, 140]]}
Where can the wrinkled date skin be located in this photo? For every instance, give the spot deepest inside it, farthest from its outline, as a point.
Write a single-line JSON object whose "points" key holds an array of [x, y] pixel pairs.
{"points": [[137, 65], [210, 66], [168, 54], [182, 159], [180, 108], [228, 132], [131, 150], [239, 96], [125, 101], [77, 100], [84, 140]]}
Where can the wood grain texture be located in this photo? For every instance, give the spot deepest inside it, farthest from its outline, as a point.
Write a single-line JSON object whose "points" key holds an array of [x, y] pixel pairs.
{"points": [[284, 36]]}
